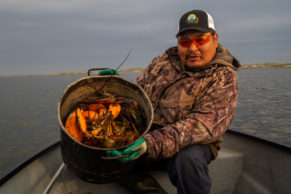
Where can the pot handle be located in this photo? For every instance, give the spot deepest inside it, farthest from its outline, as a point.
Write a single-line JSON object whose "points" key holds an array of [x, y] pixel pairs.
{"points": [[114, 157], [96, 69]]}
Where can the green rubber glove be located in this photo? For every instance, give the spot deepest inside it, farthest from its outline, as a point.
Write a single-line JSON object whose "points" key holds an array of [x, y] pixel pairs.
{"points": [[134, 151], [108, 72], [113, 153]]}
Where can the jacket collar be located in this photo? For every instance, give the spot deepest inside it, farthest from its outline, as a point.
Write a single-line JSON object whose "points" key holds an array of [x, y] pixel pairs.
{"points": [[222, 57]]}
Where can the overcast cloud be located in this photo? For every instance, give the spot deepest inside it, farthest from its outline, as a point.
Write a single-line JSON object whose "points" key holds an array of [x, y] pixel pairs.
{"points": [[38, 36]]}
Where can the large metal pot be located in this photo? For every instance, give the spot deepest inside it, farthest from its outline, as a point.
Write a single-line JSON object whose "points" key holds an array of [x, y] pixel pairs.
{"points": [[87, 162]]}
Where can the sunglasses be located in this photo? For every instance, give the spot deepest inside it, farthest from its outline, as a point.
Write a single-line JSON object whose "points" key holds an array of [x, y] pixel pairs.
{"points": [[186, 43]]}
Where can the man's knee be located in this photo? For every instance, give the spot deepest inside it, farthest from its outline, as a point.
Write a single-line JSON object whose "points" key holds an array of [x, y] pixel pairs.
{"points": [[188, 170], [193, 155]]}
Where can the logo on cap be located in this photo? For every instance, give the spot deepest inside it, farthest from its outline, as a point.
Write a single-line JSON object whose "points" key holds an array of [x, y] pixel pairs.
{"points": [[192, 18]]}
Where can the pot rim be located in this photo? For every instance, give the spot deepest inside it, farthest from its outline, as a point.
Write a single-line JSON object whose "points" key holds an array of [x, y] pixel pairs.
{"points": [[108, 77]]}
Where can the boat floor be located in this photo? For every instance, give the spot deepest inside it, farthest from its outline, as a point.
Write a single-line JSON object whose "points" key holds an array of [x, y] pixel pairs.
{"points": [[67, 182]]}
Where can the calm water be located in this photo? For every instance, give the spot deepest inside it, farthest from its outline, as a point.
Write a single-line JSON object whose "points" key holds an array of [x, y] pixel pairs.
{"points": [[28, 114]]}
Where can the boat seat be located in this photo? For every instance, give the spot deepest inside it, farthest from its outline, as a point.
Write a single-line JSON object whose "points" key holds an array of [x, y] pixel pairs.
{"points": [[224, 171]]}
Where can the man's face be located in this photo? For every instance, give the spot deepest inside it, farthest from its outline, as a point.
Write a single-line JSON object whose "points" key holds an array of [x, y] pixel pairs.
{"points": [[193, 56]]}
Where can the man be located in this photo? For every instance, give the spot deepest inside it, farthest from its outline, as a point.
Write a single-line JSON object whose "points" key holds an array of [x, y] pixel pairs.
{"points": [[193, 89]]}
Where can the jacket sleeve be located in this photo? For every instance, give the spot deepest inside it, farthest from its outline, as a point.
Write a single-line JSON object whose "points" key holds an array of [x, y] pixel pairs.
{"points": [[210, 117], [148, 74]]}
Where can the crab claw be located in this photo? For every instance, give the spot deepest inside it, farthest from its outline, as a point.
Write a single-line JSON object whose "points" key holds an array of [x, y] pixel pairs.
{"points": [[81, 120], [72, 127], [95, 107], [114, 109]]}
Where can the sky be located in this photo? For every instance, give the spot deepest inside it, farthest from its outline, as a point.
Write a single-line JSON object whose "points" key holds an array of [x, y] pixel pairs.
{"points": [[40, 36]]}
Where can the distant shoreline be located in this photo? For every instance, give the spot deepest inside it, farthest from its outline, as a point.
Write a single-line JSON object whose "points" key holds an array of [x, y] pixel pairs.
{"points": [[266, 65], [136, 70], [133, 70]]}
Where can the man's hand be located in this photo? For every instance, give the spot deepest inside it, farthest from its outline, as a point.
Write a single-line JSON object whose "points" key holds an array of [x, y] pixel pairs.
{"points": [[108, 72], [134, 151]]}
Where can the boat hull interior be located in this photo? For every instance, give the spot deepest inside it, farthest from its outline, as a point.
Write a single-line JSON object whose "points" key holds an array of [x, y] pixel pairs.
{"points": [[244, 165]]}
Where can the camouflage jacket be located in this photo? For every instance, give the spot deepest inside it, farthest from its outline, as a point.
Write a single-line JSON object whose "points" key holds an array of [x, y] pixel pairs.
{"points": [[192, 107]]}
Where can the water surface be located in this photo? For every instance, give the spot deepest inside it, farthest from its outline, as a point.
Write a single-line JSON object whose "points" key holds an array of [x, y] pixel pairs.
{"points": [[28, 114]]}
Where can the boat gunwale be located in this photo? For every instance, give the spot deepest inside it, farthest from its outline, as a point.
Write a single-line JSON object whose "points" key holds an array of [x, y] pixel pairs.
{"points": [[259, 139], [27, 162]]}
